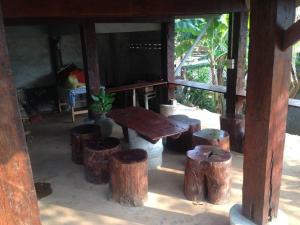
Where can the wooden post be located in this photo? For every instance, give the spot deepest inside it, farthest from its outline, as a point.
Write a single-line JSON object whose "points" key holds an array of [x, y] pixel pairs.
{"points": [[232, 121], [90, 59], [167, 57], [55, 53], [237, 44], [267, 104], [18, 201]]}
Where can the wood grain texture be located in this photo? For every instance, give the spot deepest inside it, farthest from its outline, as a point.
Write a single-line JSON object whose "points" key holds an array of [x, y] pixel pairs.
{"points": [[139, 85], [235, 126], [207, 174], [167, 58], [237, 45], [129, 177], [97, 154], [79, 135], [24, 9], [214, 137], [90, 60], [184, 142], [291, 35], [221, 89], [18, 201], [267, 101], [198, 85], [148, 124]]}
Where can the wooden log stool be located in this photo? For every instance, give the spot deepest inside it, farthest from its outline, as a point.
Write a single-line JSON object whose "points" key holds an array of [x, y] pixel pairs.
{"points": [[235, 126], [207, 174], [129, 177], [185, 141], [213, 137], [79, 135], [97, 154]]}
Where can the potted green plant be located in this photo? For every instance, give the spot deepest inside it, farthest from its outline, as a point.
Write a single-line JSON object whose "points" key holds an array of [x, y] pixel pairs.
{"points": [[102, 104]]}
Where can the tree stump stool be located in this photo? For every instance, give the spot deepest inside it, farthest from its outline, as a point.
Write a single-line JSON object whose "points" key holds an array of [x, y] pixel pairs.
{"points": [[207, 174], [185, 141], [235, 126], [129, 177], [97, 154], [213, 137], [79, 135]]}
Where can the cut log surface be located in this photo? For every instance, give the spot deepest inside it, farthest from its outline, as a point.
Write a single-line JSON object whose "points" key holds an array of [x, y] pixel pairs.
{"points": [[129, 177], [213, 137], [207, 174], [185, 141], [79, 135], [235, 126], [97, 154]]}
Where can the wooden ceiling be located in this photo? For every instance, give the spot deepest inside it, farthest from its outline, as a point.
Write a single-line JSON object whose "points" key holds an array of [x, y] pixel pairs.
{"points": [[23, 10]]}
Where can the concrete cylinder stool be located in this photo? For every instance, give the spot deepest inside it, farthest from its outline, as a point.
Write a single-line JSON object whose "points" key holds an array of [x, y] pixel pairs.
{"points": [[96, 158], [79, 135], [185, 141], [154, 150], [129, 177], [213, 137], [207, 174]]}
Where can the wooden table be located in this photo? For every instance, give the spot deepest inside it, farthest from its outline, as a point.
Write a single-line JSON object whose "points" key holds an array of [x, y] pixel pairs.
{"points": [[135, 86], [148, 124], [145, 130]]}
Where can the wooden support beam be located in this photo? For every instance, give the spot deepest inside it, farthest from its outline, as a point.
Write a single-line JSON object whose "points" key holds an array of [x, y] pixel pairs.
{"points": [[55, 53], [167, 56], [291, 35], [237, 48], [90, 59], [18, 202], [78, 9], [267, 101]]}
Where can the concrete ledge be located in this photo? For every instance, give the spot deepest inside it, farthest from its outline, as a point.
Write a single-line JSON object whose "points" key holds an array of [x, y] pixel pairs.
{"points": [[236, 217]]}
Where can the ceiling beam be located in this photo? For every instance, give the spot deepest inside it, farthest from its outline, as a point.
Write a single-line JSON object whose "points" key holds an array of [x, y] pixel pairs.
{"points": [[97, 9], [291, 35]]}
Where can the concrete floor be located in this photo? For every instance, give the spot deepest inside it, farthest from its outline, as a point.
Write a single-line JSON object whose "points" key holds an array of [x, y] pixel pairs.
{"points": [[77, 202]]}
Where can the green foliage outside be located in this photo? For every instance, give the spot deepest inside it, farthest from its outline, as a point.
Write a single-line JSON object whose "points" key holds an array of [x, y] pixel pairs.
{"points": [[213, 50], [197, 97]]}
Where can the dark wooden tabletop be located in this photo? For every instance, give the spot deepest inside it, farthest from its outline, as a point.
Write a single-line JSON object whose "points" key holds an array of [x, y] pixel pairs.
{"points": [[148, 124], [136, 86]]}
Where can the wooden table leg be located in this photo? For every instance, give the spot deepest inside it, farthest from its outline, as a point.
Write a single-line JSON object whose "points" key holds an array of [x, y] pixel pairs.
{"points": [[133, 97]]}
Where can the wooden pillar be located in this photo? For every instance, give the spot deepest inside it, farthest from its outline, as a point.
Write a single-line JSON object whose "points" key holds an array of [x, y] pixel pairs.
{"points": [[55, 53], [18, 202], [237, 45], [267, 104], [233, 121], [90, 59], [167, 57]]}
